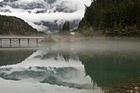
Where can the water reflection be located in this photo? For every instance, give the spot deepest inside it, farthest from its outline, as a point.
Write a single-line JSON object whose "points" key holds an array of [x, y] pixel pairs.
{"points": [[53, 67], [112, 70], [71, 69], [8, 57]]}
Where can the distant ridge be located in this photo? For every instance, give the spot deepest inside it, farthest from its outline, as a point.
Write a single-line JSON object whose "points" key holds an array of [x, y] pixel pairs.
{"points": [[14, 26]]}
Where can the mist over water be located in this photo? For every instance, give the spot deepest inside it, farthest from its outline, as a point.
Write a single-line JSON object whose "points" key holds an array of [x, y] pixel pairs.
{"points": [[96, 44], [85, 65]]}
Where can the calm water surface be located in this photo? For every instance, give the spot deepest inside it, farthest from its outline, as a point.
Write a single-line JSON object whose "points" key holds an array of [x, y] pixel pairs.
{"points": [[92, 68]]}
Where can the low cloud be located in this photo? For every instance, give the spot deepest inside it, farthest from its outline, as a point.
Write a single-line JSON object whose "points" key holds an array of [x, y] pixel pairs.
{"points": [[31, 16]]}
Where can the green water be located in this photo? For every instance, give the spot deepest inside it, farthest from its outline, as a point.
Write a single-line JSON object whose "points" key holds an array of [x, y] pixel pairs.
{"points": [[14, 56], [108, 70], [112, 69]]}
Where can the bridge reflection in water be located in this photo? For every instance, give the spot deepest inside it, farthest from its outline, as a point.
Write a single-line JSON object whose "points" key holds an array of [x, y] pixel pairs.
{"points": [[20, 42]]}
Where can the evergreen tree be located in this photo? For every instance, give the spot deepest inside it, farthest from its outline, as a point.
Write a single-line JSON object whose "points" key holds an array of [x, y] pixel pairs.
{"points": [[105, 14], [66, 28]]}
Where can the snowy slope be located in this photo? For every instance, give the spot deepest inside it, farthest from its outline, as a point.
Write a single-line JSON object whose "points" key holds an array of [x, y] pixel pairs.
{"points": [[45, 15]]}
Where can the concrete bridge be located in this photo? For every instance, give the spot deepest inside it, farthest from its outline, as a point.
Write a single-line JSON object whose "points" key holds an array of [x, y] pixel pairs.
{"points": [[20, 42]]}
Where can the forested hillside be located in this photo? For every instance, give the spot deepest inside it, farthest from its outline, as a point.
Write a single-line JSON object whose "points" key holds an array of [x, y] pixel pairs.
{"points": [[15, 26], [113, 17]]}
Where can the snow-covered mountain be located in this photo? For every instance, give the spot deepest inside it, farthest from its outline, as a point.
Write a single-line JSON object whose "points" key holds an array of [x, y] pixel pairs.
{"points": [[46, 15]]}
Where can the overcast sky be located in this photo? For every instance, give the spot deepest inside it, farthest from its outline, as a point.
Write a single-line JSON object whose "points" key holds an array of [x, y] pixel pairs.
{"points": [[32, 17]]}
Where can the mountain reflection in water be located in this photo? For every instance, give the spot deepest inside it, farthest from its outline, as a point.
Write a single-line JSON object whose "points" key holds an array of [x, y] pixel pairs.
{"points": [[71, 69], [8, 57], [51, 67]]}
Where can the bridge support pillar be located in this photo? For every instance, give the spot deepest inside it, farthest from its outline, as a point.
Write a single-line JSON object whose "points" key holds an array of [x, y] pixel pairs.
{"points": [[19, 41], [28, 41], [37, 41], [0, 42], [10, 42]]}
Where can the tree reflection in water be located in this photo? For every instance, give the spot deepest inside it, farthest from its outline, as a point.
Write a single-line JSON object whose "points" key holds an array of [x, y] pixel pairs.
{"points": [[112, 71], [9, 57]]}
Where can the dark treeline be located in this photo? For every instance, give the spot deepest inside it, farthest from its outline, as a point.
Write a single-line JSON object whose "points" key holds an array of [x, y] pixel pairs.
{"points": [[65, 30], [113, 17]]}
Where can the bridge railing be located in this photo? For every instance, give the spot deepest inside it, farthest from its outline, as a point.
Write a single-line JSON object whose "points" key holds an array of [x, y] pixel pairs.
{"points": [[19, 42]]}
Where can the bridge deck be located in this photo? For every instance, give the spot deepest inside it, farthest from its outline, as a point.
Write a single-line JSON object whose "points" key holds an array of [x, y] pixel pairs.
{"points": [[19, 42], [22, 37]]}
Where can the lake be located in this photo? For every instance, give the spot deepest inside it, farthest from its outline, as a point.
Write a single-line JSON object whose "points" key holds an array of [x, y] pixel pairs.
{"points": [[88, 66]]}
